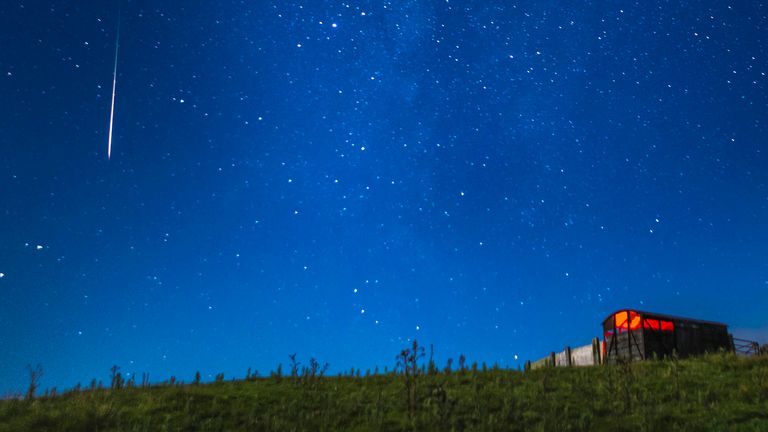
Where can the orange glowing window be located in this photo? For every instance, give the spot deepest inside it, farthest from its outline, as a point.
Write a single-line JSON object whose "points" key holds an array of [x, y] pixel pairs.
{"points": [[627, 320], [652, 324], [658, 325]]}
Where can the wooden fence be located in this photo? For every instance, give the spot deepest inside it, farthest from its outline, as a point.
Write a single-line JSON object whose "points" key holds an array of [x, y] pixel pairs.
{"points": [[586, 355]]}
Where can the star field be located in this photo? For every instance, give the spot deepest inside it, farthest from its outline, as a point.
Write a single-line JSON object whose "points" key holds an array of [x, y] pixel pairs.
{"points": [[336, 179]]}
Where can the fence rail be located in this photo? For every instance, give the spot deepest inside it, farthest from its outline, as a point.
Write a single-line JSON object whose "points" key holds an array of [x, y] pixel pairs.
{"points": [[746, 347]]}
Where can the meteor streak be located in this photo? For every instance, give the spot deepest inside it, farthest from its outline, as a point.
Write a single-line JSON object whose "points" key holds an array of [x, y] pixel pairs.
{"points": [[114, 85]]}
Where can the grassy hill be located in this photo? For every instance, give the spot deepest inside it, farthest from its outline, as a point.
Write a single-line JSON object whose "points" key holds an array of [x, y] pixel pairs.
{"points": [[717, 392]]}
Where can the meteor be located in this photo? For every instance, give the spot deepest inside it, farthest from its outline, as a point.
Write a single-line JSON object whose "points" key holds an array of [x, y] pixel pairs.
{"points": [[114, 86]]}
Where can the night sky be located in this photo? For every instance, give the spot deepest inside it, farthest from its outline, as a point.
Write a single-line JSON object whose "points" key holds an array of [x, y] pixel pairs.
{"points": [[336, 179]]}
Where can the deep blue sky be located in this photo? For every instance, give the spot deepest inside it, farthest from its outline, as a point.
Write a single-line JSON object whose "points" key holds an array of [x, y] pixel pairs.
{"points": [[335, 179]]}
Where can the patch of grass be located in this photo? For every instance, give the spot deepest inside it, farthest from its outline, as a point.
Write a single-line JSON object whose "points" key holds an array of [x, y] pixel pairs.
{"points": [[715, 392]]}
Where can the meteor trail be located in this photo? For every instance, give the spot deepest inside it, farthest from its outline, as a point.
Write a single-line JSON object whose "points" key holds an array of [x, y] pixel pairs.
{"points": [[114, 85]]}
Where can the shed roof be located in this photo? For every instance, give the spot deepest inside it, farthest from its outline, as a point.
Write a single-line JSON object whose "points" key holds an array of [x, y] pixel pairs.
{"points": [[666, 317]]}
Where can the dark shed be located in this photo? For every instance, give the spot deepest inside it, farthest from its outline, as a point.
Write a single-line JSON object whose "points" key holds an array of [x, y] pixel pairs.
{"points": [[636, 335]]}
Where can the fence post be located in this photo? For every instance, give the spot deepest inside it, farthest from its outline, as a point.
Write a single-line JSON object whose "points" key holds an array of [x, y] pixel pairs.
{"points": [[596, 351], [568, 360]]}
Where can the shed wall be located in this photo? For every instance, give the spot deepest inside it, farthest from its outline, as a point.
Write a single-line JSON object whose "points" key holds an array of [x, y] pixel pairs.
{"points": [[625, 346], [695, 338], [659, 344]]}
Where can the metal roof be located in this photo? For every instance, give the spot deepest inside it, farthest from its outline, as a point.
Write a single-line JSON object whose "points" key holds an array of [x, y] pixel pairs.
{"points": [[666, 317]]}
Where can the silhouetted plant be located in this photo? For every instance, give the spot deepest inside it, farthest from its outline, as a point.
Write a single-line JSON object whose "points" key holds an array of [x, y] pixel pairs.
{"points": [[278, 374], [219, 378], [432, 368], [408, 363], [197, 378], [116, 379], [294, 365], [315, 370], [34, 380]]}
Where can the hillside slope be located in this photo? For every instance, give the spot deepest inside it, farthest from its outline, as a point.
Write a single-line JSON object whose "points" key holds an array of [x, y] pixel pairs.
{"points": [[716, 392]]}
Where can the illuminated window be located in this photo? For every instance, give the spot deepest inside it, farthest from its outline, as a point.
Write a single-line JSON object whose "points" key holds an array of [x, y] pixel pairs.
{"points": [[627, 320], [658, 325], [652, 324]]}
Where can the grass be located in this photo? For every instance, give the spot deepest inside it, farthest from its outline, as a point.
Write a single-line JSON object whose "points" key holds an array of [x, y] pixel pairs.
{"points": [[715, 392]]}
